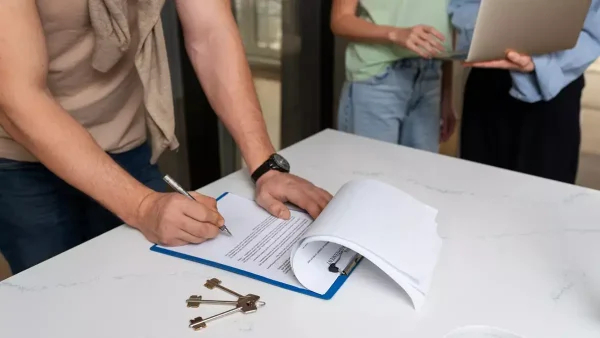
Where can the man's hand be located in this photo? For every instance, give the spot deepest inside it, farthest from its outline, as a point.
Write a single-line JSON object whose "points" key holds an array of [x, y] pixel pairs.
{"points": [[274, 189], [514, 61], [448, 120], [174, 220], [421, 39]]}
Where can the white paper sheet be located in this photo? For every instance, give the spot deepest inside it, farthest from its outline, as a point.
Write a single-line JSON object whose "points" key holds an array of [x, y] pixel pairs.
{"points": [[390, 228], [261, 244]]}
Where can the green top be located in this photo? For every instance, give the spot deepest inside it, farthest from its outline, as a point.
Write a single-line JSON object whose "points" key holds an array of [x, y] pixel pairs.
{"points": [[365, 60]]}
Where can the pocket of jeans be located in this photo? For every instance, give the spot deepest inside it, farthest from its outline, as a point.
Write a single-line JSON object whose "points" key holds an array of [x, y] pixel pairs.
{"points": [[432, 74], [379, 78]]}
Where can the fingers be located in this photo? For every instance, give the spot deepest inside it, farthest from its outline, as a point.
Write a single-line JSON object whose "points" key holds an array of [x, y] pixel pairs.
{"points": [[199, 229], [429, 39], [421, 39], [272, 205], [206, 200], [524, 62], [434, 32], [516, 58], [320, 196], [431, 42], [202, 213], [410, 44], [188, 238], [306, 202], [174, 242], [444, 133], [503, 64], [325, 194], [307, 198]]}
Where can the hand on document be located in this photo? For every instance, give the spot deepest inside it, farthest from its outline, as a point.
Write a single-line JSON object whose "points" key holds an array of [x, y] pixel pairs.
{"points": [[514, 61], [174, 220], [274, 189]]}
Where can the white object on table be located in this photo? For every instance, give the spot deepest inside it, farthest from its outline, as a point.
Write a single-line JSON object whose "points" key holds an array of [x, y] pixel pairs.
{"points": [[520, 253]]}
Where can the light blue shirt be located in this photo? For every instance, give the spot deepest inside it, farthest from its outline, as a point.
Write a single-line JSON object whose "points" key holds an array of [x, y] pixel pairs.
{"points": [[553, 71]]}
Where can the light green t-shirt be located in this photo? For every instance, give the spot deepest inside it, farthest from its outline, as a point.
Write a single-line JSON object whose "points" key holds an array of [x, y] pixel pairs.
{"points": [[366, 60]]}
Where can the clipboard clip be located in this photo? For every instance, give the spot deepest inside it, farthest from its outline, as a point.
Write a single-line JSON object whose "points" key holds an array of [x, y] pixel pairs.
{"points": [[351, 265]]}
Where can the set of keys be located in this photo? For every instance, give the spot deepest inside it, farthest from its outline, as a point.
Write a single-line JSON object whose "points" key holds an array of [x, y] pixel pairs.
{"points": [[245, 304]]}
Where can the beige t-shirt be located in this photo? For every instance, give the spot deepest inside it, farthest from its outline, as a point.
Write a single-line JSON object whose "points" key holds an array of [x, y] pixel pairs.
{"points": [[109, 105]]}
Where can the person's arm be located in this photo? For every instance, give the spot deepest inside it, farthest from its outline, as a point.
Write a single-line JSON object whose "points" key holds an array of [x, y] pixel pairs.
{"points": [[463, 14], [447, 105], [555, 71], [216, 51], [344, 22], [33, 118]]}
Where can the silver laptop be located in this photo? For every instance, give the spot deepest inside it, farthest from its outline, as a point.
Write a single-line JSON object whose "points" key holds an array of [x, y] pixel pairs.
{"points": [[531, 27]]}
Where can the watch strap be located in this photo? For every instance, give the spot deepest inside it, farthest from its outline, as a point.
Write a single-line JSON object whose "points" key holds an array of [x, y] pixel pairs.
{"points": [[263, 169]]}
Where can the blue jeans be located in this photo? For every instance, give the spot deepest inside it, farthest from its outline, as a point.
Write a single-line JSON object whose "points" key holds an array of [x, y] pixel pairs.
{"points": [[42, 216], [401, 105]]}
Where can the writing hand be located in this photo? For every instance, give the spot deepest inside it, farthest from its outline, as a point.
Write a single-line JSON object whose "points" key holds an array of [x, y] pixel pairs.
{"points": [[174, 220]]}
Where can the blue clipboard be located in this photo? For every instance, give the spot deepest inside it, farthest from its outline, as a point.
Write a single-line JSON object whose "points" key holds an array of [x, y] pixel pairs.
{"points": [[328, 295]]}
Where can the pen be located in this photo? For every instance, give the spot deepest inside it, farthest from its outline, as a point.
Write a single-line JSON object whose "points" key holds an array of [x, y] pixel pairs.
{"points": [[170, 181]]}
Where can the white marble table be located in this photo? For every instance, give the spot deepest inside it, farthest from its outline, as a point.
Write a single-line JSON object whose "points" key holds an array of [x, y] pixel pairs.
{"points": [[520, 253]]}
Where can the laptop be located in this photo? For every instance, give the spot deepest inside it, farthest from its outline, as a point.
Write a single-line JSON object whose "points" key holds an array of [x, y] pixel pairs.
{"points": [[531, 27]]}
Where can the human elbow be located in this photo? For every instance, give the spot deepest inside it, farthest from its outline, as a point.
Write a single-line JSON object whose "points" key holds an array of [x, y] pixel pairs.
{"points": [[336, 24], [18, 98]]}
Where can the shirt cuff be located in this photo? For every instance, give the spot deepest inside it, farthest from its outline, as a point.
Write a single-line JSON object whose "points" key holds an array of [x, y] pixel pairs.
{"points": [[543, 84]]}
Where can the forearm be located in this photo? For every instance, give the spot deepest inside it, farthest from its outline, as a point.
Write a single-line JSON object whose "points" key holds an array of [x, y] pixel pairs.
{"points": [[70, 152], [447, 80], [220, 63], [357, 29]]}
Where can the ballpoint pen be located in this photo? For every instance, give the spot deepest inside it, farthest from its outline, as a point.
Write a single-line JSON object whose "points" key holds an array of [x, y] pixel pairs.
{"points": [[170, 181]]}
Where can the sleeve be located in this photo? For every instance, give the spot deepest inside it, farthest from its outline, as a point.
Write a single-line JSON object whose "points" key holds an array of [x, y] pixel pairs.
{"points": [[555, 71], [463, 14]]}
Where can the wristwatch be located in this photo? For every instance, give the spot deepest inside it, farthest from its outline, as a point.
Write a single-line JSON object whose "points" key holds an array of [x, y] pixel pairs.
{"points": [[275, 162]]}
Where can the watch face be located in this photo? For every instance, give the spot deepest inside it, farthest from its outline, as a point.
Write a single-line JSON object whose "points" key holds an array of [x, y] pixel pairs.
{"points": [[281, 162]]}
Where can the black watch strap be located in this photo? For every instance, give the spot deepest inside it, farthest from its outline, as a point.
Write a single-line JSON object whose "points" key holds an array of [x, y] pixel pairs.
{"points": [[263, 169], [271, 164]]}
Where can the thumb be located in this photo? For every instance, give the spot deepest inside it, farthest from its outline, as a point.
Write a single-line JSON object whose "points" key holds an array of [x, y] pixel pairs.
{"points": [[273, 206]]}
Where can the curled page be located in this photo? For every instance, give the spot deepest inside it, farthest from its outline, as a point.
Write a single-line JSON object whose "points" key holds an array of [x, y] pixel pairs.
{"points": [[390, 228]]}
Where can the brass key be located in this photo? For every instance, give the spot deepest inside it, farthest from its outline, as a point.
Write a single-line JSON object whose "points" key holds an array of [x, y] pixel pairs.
{"points": [[195, 301], [215, 283], [244, 305]]}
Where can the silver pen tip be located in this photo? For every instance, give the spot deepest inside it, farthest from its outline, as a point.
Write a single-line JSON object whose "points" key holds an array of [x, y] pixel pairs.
{"points": [[224, 228]]}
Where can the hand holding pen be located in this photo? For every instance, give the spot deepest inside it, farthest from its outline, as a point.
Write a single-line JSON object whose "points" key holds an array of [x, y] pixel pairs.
{"points": [[174, 219], [210, 202]]}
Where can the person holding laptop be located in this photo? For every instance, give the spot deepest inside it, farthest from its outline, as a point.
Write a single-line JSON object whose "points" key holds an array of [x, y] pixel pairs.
{"points": [[522, 113], [395, 91]]}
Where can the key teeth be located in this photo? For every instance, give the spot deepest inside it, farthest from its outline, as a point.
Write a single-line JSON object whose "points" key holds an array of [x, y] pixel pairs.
{"points": [[197, 324], [212, 283]]}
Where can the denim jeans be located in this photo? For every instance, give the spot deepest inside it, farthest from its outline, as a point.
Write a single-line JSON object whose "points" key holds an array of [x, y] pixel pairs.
{"points": [[42, 216], [401, 105]]}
